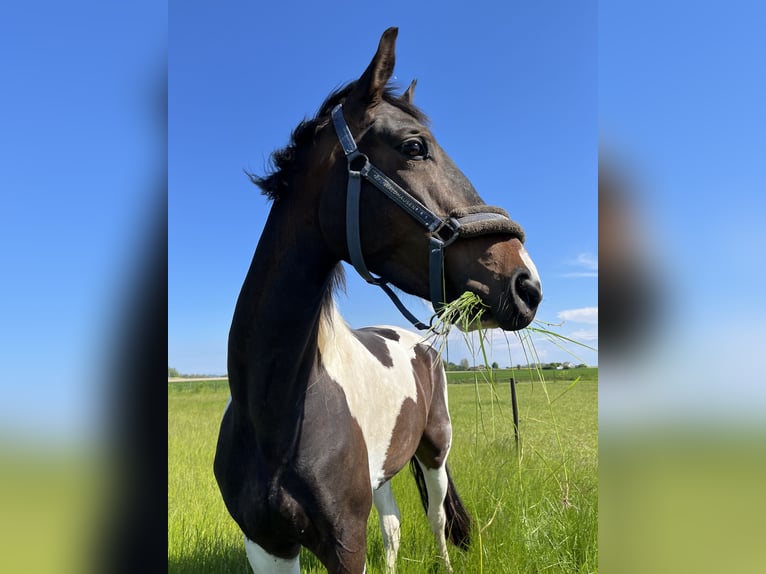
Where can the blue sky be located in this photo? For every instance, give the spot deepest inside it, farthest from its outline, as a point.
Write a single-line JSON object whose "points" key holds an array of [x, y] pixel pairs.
{"points": [[511, 92]]}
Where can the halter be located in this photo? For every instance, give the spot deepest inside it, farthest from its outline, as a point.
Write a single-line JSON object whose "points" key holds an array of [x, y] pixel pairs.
{"points": [[443, 231]]}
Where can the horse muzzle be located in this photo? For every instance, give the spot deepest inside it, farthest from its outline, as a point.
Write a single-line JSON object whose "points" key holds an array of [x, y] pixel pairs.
{"points": [[511, 298], [518, 306]]}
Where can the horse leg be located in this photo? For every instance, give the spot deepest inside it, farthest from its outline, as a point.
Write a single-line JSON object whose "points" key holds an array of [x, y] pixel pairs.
{"points": [[390, 519], [264, 563], [437, 483]]}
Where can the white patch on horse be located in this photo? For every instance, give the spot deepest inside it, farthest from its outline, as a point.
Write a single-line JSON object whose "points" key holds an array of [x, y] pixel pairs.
{"points": [[390, 523], [374, 393], [264, 563], [437, 485], [530, 265]]}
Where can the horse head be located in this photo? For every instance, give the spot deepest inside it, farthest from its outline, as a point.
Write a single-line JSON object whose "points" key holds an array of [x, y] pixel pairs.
{"points": [[413, 219]]}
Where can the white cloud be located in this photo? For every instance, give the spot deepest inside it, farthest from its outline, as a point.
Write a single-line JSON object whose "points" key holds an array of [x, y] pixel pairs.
{"points": [[587, 315], [586, 261]]}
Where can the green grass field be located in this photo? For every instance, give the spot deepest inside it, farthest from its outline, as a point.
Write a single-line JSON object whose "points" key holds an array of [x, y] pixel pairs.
{"points": [[534, 509]]}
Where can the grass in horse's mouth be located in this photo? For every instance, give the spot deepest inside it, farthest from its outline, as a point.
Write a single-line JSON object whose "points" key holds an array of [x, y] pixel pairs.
{"points": [[468, 313], [465, 313]]}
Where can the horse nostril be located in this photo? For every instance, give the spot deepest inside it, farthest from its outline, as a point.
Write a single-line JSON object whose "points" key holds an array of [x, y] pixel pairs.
{"points": [[528, 290]]}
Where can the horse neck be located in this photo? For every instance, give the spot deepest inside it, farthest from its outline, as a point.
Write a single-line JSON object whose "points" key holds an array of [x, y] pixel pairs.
{"points": [[273, 336]]}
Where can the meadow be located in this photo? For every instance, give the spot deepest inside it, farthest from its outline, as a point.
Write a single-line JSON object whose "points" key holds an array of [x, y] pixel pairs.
{"points": [[534, 507]]}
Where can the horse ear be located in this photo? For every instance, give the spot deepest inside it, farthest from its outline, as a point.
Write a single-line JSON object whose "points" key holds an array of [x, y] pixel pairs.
{"points": [[369, 88], [409, 94]]}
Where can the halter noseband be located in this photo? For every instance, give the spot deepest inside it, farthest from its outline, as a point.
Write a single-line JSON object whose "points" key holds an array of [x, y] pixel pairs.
{"points": [[465, 222]]}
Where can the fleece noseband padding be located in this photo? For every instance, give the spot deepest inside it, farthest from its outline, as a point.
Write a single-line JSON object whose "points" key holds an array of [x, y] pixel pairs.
{"points": [[478, 220]]}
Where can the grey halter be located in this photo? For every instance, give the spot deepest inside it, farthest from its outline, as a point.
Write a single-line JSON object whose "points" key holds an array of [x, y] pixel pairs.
{"points": [[464, 222]]}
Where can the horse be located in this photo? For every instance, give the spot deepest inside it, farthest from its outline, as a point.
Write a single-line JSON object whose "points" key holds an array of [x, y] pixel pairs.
{"points": [[322, 416]]}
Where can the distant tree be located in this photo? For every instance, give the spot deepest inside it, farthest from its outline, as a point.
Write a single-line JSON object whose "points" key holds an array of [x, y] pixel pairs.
{"points": [[172, 372], [464, 364], [495, 365], [582, 366]]}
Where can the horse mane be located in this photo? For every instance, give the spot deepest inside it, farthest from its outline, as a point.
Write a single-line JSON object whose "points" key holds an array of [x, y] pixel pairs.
{"points": [[337, 283], [285, 162]]}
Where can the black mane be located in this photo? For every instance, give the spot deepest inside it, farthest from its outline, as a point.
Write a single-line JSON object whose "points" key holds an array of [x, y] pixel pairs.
{"points": [[285, 161]]}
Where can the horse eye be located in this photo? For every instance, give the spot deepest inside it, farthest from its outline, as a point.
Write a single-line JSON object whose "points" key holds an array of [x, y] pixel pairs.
{"points": [[414, 148]]}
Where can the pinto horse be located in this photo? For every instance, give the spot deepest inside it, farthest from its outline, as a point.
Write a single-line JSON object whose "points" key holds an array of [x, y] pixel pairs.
{"points": [[322, 416]]}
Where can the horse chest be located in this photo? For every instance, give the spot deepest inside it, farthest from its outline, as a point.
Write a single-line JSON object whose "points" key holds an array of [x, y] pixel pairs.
{"points": [[375, 370]]}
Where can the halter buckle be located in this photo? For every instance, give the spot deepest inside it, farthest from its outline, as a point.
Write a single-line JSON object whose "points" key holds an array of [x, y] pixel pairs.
{"points": [[447, 231]]}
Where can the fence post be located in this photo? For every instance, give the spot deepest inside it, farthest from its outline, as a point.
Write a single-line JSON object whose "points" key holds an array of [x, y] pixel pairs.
{"points": [[515, 404]]}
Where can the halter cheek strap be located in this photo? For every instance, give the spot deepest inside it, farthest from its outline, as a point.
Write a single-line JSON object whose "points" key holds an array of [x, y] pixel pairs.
{"points": [[465, 222]]}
